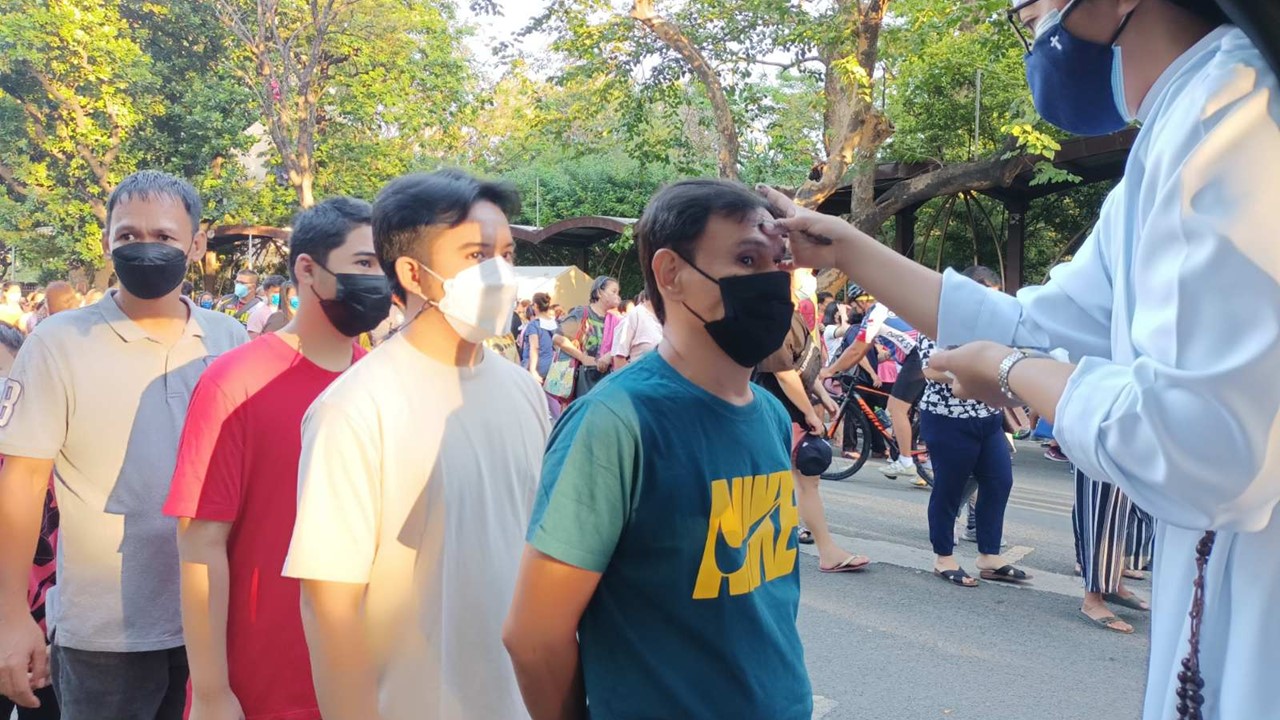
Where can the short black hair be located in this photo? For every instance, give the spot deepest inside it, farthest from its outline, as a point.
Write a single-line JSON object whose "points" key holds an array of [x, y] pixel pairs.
{"points": [[188, 287], [414, 208], [11, 337], [676, 217], [152, 184], [984, 275], [829, 315], [272, 281], [321, 229], [825, 296]]}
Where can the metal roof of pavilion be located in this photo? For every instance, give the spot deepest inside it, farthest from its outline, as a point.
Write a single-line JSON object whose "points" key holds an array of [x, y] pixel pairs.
{"points": [[578, 233], [224, 235]]}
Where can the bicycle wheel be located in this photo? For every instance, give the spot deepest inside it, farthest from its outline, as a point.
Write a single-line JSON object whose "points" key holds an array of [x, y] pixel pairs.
{"points": [[856, 438]]}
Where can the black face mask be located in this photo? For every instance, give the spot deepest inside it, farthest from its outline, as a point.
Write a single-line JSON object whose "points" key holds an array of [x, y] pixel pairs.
{"points": [[757, 315], [149, 270], [361, 303]]}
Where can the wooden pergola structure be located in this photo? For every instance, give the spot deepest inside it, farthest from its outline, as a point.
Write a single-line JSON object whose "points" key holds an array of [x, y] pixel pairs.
{"points": [[263, 243], [577, 233], [1097, 159]]}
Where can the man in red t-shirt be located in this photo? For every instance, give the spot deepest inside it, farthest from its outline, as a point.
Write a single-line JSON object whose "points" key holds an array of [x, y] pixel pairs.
{"points": [[235, 486]]}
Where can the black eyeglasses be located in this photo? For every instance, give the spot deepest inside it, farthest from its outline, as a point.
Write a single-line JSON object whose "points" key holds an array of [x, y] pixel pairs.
{"points": [[1028, 40]]}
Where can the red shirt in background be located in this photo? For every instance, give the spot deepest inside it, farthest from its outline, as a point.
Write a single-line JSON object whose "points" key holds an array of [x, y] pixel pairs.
{"points": [[238, 463], [810, 313]]}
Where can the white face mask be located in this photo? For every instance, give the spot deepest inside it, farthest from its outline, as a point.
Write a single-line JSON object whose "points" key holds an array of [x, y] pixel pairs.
{"points": [[477, 301]]}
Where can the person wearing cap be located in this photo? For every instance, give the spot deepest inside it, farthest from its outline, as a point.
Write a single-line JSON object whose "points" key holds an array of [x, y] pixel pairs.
{"points": [[661, 576], [1173, 396]]}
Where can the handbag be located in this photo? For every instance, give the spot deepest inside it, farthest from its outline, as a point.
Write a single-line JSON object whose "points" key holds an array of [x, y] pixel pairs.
{"points": [[559, 380]]}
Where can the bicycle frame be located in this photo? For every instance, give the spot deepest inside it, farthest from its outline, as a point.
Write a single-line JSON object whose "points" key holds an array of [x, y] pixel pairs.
{"points": [[854, 392]]}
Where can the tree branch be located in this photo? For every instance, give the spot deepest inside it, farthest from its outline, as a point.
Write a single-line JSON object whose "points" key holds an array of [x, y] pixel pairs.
{"points": [[726, 127]]}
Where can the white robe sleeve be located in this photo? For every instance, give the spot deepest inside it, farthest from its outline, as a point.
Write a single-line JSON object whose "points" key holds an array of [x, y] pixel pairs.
{"points": [[1189, 429]]}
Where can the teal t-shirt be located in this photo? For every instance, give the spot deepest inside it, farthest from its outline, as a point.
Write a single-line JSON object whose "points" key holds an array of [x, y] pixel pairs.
{"points": [[687, 506]]}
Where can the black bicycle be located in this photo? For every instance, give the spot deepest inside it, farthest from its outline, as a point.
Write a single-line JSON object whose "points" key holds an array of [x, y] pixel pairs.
{"points": [[855, 426]]}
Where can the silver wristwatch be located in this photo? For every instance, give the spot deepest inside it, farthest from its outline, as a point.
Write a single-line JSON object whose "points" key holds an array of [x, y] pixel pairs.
{"points": [[1002, 375]]}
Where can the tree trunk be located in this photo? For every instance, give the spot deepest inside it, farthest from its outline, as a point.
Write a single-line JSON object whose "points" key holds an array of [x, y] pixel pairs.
{"points": [[726, 128], [306, 192], [853, 128]]}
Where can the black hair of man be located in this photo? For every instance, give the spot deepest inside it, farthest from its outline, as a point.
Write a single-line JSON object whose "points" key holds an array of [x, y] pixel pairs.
{"points": [[187, 288], [825, 296], [273, 282], [152, 184], [324, 227], [677, 216], [250, 277], [829, 315], [983, 274], [10, 337], [412, 209]]}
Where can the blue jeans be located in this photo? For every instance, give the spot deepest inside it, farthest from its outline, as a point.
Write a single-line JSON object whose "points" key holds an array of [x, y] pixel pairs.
{"points": [[962, 448], [120, 686]]}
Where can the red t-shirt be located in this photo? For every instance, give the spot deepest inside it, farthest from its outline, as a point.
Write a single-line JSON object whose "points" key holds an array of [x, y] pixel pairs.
{"points": [[238, 463], [809, 313]]}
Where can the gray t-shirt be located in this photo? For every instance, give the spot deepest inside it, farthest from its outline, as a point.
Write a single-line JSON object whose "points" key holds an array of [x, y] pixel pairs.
{"points": [[93, 392]]}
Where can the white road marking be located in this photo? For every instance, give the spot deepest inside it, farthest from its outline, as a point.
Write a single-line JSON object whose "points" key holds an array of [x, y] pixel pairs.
{"points": [[822, 706]]}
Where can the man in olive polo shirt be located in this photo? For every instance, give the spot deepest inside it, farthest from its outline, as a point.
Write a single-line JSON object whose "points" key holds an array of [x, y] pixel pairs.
{"points": [[101, 395]]}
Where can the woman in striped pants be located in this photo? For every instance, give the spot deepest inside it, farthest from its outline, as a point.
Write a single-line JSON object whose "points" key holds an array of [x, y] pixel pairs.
{"points": [[1110, 533]]}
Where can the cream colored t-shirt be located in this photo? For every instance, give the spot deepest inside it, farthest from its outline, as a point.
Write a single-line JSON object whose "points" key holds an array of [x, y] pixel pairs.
{"points": [[417, 479]]}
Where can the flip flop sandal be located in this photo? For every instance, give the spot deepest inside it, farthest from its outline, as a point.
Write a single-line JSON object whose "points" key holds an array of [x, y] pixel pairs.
{"points": [[1134, 575], [1131, 601], [805, 538], [956, 577], [1110, 622], [853, 563], [1007, 573]]}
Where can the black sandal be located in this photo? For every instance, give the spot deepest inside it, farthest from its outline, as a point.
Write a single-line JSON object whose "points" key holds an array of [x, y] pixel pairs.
{"points": [[956, 577], [805, 538], [1006, 573]]}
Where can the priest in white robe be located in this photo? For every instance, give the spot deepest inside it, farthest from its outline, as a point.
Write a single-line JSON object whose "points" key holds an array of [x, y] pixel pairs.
{"points": [[1170, 310]]}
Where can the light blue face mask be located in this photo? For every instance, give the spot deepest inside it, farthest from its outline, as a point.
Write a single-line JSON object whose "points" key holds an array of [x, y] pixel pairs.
{"points": [[242, 290], [1077, 85], [293, 302]]}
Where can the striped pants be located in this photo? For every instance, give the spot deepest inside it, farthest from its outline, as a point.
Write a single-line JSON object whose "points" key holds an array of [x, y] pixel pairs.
{"points": [[1111, 534]]}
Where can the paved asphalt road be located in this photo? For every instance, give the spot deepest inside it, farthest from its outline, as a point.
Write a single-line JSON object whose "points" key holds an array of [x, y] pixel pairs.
{"points": [[896, 643]]}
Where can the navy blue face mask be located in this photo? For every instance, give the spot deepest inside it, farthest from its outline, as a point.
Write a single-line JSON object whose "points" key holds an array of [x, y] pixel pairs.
{"points": [[1077, 85]]}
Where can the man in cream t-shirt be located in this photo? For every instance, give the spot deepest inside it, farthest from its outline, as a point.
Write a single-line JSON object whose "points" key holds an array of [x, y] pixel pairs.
{"points": [[417, 475]]}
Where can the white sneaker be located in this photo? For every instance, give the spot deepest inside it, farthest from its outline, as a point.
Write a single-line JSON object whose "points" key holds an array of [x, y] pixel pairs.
{"points": [[898, 468]]}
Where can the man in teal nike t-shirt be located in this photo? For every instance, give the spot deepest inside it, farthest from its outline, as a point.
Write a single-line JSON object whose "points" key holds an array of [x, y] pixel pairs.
{"points": [[660, 578]]}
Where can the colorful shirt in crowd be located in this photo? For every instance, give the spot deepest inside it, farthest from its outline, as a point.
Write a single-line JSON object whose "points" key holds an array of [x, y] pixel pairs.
{"points": [[416, 480], [881, 323], [686, 504], [238, 463], [938, 398], [593, 334], [93, 392]]}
